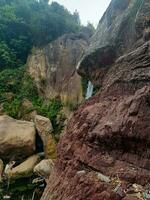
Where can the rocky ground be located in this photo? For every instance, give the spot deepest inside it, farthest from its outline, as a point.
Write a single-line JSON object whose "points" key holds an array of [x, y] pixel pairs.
{"points": [[27, 154]]}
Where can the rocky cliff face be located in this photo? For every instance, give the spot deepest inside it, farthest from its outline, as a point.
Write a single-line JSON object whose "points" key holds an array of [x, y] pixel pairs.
{"points": [[124, 27], [54, 67], [105, 153]]}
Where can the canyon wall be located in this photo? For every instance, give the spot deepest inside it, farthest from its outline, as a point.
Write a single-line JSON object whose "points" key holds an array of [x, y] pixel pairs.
{"points": [[123, 28], [53, 68], [105, 152]]}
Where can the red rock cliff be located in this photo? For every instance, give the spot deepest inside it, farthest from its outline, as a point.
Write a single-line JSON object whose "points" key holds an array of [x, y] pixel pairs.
{"points": [[105, 153]]}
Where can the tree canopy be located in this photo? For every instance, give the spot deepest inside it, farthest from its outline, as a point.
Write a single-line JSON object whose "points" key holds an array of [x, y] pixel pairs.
{"points": [[28, 23]]}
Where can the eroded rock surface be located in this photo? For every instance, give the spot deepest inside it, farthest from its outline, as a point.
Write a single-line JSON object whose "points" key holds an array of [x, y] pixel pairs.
{"points": [[44, 168], [110, 135], [17, 138], [105, 153], [23, 170], [122, 29], [54, 68], [44, 129]]}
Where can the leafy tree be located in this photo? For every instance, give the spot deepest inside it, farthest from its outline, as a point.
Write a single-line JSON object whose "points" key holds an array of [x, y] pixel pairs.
{"points": [[7, 56], [28, 23]]}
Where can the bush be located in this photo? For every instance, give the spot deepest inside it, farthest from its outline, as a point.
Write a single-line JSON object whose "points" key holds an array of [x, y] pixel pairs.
{"points": [[19, 85], [52, 110], [13, 108]]}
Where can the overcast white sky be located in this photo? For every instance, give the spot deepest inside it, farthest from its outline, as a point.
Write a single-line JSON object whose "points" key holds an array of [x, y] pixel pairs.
{"points": [[89, 10]]}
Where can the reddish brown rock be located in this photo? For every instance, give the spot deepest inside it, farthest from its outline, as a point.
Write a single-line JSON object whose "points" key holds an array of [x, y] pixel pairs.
{"points": [[110, 133], [103, 136]]}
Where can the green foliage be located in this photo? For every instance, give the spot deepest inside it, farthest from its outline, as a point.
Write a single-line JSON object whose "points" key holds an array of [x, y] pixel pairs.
{"points": [[14, 38], [25, 24], [12, 108], [15, 86], [18, 82], [7, 57], [52, 110], [28, 23], [21, 189]]}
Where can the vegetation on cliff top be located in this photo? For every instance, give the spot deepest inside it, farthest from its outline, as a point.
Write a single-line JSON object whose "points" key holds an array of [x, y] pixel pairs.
{"points": [[28, 23], [23, 25]]}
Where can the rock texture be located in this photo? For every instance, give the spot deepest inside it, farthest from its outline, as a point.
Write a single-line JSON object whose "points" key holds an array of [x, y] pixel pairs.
{"points": [[17, 138], [25, 169], [105, 153], [54, 68], [44, 128], [44, 168], [27, 110], [122, 29]]}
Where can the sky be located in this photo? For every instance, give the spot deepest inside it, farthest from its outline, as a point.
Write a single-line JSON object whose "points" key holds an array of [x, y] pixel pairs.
{"points": [[89, 10]]}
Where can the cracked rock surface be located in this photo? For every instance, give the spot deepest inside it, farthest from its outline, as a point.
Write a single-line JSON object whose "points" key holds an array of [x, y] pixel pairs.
{"points": [[105, 153]]}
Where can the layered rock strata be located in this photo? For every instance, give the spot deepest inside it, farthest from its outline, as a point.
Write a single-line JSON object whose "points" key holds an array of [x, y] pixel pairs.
{"points": [[105, 153]]}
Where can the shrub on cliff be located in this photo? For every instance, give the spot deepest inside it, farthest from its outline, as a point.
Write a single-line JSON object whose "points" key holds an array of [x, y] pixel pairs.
{"points": [[51, 109]]}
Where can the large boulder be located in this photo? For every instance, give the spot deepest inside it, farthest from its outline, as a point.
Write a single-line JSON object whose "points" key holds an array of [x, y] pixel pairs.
{"points": [[105, 152], [17, 138], [53, 68], [44, 128], [44, 168], [23, 170]]}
